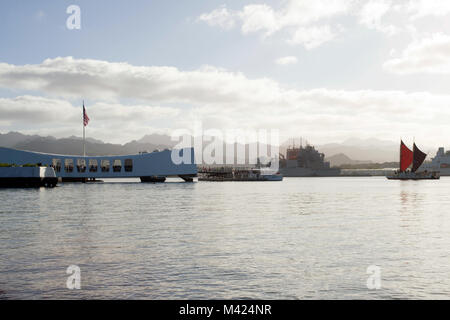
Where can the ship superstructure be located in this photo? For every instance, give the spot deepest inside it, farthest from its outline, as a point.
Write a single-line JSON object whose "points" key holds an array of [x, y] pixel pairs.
{"points": [[306, 162], [440, 162]]}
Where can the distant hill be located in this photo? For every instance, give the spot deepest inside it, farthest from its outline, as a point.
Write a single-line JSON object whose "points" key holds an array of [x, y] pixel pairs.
{"points": [[341, 159], [73, 145], [11, 139], [368, 150], [350, 152], [157, 139]]}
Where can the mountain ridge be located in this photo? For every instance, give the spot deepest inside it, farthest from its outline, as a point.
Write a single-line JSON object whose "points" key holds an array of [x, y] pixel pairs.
{"points": [[352, 151]]}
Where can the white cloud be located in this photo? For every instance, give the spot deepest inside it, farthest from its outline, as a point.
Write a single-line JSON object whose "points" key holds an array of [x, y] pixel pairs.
{"points": [[312, 37], [423, 8], [313, 23], [428, 55], [59, 117], [304, 12], [295, 17], [259, 17], [221, 17], [74, 78], [326, 115], [372, 13], [215, 96], [284, 61], [31, 109]]}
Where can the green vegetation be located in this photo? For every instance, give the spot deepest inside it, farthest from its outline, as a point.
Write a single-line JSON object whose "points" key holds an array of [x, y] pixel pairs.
{"points": [[3, 165]]}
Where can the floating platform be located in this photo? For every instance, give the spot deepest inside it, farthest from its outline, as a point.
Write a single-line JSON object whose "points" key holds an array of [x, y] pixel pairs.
{"points": [[79, 168], [27, 177]]}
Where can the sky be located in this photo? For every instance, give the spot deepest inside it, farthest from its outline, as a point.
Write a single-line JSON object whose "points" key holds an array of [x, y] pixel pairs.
{"points": [[324, 70]]}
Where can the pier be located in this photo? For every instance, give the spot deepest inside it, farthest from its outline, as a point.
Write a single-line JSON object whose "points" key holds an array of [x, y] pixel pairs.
{"points": [[235, 173]]}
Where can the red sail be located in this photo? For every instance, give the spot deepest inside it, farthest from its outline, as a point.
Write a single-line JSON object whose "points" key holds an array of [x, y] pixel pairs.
{"points": [[406, 157], [419, 158]]}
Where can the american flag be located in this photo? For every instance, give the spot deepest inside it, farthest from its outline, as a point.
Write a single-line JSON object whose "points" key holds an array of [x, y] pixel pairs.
{"points": [[85, 117]]}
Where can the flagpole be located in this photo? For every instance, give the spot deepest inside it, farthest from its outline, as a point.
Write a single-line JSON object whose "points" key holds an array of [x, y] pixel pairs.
{"points": [[84, 142], [84, 134]]}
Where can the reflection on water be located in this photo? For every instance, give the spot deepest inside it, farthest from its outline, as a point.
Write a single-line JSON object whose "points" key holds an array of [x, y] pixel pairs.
{"points": [[300, 238]]}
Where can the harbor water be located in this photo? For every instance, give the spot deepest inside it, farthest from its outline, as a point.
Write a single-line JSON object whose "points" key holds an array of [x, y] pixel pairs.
{"points": [[302, 238]]}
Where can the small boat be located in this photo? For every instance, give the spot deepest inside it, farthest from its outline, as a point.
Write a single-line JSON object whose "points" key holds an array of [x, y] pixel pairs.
{"points": [[408, 175], [270, 175], [228, 173], [416, 158]]}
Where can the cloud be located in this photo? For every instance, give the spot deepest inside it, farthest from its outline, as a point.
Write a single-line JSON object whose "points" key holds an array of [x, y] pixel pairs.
{"points": [[372, 13], [284, 61], [259, 17], [312, 37], [217, 97], [423, 8], [38, 114], [304, 12], [314, 23], [74, 78], [324, 115], [428, 55], [31, 109], [295, 17], [220, 17]]}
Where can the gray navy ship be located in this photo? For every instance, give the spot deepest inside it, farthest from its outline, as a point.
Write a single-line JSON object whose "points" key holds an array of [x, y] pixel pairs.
{"points": [[306, 162]]}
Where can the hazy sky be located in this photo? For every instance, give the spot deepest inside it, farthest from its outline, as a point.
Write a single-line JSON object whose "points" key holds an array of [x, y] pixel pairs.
{"points": [[325, 70]]}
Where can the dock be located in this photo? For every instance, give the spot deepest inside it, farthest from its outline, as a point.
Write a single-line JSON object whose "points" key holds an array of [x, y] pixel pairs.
{"points": [[234, 173]]}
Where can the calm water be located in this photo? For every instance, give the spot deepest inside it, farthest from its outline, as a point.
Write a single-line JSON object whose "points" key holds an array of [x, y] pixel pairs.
{"points": [[301, 238]]}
